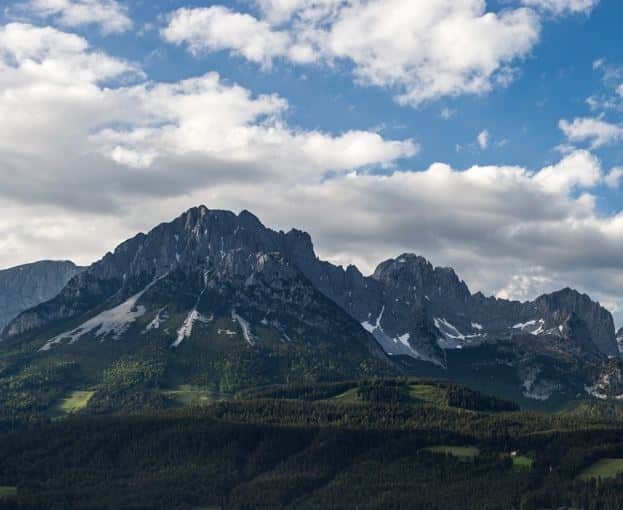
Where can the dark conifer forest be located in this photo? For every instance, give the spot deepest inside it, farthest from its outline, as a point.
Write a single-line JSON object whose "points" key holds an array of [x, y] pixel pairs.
{"points": [[379, 443]]}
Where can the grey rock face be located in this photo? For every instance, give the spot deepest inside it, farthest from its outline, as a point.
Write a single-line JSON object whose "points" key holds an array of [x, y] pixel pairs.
{"points": [[415, 309], [619, 338], [26, 286], [573, 307], [409, 306]]}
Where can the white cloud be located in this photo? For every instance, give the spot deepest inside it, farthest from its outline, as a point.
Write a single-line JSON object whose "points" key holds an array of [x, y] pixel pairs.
{"points": [[218, 28], [613, 179], [310, 11], [483, 139], [593, 130], [525, 286], [203, 116], [610, 97], [109, 15], [447, 113], [49, 78], [428, 50], [579, 169], [563, 6], [420, 50], [131, 155]]}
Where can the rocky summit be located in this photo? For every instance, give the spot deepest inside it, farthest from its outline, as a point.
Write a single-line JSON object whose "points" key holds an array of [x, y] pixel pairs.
{"points": [[211, 280]]}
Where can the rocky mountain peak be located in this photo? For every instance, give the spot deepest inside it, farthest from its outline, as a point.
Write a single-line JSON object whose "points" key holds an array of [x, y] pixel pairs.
{"points": [[598, 321], [407, 262], [416, 272], [411, 307], [300, 246]]}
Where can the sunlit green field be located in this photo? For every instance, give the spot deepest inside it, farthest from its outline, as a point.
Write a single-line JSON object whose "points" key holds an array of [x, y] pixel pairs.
{"points": [[7, 492], [604, 468], [418, 394], [427, 393], [72, 403], [351, 395], [522, 462]]}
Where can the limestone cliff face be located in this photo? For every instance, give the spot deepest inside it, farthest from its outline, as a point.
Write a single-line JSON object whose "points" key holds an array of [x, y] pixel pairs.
{"points": [[26, 286], [416, 309], [411, 307]]}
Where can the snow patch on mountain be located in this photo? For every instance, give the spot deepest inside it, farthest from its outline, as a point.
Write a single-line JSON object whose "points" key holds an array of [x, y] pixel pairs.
{"points": [[227, 332], [452, 337], [111, 323], [534, 327], [186, 330], [161, 317], [523, 325], [244, 326], [395, 346], [448, 329], [372, 328]]}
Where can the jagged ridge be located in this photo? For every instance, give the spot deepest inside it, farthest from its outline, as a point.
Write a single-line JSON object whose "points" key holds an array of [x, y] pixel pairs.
{"points": [[411, 307]]}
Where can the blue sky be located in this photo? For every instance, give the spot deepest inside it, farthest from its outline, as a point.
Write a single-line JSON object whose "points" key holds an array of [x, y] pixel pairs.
{"points": [[554, 81], [490, 131]]}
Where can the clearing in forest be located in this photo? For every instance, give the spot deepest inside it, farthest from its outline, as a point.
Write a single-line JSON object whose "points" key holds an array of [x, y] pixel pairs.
{"points": [[7, 492], [604, 468], [72, 403]]}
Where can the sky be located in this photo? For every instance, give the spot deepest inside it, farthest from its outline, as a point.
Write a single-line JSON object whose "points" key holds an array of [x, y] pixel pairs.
{"points": [[483, 135]]}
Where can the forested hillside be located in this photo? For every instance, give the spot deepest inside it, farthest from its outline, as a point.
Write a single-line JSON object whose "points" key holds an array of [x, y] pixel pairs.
{"points": [[397, 443]]}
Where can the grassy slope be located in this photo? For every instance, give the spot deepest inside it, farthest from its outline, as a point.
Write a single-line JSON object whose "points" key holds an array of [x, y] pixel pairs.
{"points": [[426, 393], [521, 462], [603, 468], [75, 401], [8, 492]]}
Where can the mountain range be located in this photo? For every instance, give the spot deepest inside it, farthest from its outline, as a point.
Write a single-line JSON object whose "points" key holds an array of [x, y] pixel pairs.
{"points": [[219, 299], [28, 285]]}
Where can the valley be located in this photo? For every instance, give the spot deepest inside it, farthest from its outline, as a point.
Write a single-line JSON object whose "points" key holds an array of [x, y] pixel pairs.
{"points": [[335, 445], [215, 363]]}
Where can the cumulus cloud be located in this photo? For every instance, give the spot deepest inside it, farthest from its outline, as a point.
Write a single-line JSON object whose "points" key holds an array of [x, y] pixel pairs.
{"points": [[203, 117], [577, 170], [611, 95], [129, 136], [109, 15], [218, 28], [613, 179], [132, 153], [420, 50], [563, 6], [595, 131], [447, 113], [483, 139], [49, 79]]}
